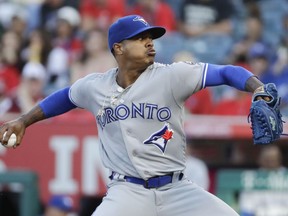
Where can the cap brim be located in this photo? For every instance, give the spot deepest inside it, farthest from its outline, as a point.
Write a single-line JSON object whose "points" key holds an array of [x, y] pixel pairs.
{"points": [[156, 32]]}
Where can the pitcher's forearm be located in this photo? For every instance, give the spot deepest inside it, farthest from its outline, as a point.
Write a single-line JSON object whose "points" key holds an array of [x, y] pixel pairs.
{"points": [[34, 115], [252, 84]]}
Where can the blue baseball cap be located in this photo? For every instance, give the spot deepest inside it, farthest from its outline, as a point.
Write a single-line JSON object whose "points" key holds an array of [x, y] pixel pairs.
{"points": [[61, 202], [130, 26], [258, 50]]}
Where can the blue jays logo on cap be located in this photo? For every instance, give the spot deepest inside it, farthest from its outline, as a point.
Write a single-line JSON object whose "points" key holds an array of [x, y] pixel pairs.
{"points": [[130, 26], [141, 19], [160, 138]]}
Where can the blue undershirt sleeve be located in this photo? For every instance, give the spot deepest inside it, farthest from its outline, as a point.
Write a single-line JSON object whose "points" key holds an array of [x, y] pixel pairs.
{"points": [[57, 103], [234, 76]]}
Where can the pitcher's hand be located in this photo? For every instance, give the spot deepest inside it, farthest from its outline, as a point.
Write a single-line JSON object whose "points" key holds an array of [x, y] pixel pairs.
{"points": [[17, 127]]}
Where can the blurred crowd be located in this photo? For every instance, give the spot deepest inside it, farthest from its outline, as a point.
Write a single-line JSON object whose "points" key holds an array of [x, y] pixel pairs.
{"points": [[46, 45]]}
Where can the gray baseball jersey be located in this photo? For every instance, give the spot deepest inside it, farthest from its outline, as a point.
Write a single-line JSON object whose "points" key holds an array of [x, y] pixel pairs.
{"points": [[142, 135], [141, 127]]}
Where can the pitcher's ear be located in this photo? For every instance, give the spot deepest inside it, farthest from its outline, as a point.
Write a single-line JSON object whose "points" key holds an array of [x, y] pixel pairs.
{"points": [[117, 47]]}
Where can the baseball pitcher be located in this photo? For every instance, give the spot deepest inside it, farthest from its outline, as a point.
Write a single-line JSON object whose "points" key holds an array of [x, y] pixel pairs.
{"points": [[138, 107]]}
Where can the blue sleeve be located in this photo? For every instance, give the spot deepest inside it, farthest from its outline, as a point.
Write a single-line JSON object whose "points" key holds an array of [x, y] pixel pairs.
{"points": [[234, 76], [57, 103]]}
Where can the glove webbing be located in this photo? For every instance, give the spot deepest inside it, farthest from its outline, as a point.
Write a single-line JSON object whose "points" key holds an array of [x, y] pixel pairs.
{"points": [[249, 121]]}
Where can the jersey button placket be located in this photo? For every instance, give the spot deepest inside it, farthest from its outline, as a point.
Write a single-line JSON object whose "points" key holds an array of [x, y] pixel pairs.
{"points": [[120, 89]]}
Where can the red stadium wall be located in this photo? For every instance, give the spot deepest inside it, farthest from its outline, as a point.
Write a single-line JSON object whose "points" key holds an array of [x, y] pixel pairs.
{"points": [[64, 153]]}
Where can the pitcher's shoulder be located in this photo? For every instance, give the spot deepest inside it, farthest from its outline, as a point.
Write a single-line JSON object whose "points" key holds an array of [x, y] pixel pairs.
{"points": [[178, 65], [101, 76], [159, 66]]}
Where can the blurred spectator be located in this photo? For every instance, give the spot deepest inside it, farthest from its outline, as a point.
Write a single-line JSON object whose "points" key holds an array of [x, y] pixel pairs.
{"points": [[200, 17], [280, 67], [10, 48], [253, 34], [1, 30], [272, 15], [172, 47], [270, 159], [68, 21], [271, 67], [48, 12], [281, 63], [156, 12], [9, 80], [30, 90], [95, 56], [267, 202], [58, 70], [18, 23], [59, 205], [9, 72], [37, 47], [196, 169], [175, 5], [284, 36], [259, 60], [32, 10], [207, 25], [66, 49], [99, 14], [5, 100], [13, 16]]}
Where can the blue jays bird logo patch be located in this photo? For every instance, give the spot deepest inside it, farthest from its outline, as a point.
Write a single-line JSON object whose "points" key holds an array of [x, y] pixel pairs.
{"points": [[141, 19], [160, 138]]}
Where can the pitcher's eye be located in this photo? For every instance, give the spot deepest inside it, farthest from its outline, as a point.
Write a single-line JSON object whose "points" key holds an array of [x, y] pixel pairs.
{"points": [[139, 37]]}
